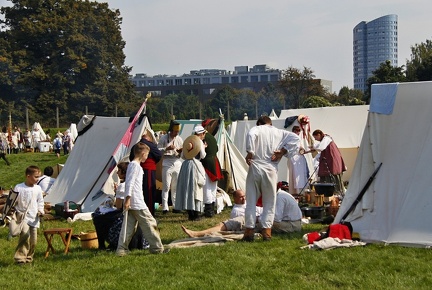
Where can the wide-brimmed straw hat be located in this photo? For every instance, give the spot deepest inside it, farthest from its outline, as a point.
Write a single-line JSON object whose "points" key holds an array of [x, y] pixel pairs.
{"points": [[191, 146]]}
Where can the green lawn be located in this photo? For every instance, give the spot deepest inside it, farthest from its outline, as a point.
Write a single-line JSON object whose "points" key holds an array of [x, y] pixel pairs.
{"points": [[280, 264]]}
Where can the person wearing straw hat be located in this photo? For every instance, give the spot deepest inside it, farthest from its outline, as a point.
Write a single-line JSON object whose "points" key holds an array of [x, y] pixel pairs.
{"points": [[212, 168], [171, 145], [191, 178]]}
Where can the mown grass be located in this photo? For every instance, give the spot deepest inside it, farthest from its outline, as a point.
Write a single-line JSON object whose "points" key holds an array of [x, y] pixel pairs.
{"points": [[15, 173], [280, 264]]}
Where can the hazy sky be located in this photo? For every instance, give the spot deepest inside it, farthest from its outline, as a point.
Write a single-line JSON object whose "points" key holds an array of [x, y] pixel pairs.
{"points": [[176, 36]]}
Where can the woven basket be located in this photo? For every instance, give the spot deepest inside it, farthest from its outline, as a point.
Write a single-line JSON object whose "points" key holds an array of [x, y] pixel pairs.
{"points": [[89, 240]]}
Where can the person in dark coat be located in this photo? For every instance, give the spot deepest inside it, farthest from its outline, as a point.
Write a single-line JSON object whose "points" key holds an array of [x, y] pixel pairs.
{"points": [[212, 168], [149, 168]]}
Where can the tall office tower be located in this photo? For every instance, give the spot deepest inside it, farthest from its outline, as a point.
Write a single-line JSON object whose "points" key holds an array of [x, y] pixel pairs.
{"points": [[374, 42]]}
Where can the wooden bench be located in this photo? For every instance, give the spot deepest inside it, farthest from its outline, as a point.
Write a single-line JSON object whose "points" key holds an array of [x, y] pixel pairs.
{"points": [[65, 234]]}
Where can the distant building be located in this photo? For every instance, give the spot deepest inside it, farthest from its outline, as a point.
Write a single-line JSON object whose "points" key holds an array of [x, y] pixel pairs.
{"points": [[374, 42], [205, 82]]}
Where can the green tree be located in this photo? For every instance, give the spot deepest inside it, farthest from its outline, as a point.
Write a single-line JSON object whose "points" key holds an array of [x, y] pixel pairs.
{"points": [[298, 85], [66, 54], [419, 68], [316, 102], [385, 73], [223, 100], [245, 101], [348, 97], [270, 98], [169, 105], [186, 107]]}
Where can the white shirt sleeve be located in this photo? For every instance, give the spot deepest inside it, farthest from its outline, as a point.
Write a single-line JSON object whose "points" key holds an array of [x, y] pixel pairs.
{"points": [[326, 140], [279, 210], [131, 175], [250, 140]]}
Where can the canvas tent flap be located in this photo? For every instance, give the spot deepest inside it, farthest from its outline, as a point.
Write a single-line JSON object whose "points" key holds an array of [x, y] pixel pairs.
{"points": [[229, 156], [231, 159], [91, 162], [396, 208]]}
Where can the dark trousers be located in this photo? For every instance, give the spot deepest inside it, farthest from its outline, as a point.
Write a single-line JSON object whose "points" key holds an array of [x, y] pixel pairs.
{"points": [[3, 156], [149, 189]]}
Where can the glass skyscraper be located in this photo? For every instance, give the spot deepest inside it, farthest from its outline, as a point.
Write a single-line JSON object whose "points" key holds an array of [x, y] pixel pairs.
{"points": [[374, 42]]}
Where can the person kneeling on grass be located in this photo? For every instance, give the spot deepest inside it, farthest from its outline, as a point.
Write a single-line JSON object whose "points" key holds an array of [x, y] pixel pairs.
{"points": [[136, 210], [288, 214]]}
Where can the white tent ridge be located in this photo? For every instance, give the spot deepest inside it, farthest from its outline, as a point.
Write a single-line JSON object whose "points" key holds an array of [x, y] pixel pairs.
{"points": [[396, 207], [86, 176]]}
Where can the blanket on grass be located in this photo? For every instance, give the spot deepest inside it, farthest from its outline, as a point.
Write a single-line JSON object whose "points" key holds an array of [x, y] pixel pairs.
{"points": [[332, 243], [214, 239]]}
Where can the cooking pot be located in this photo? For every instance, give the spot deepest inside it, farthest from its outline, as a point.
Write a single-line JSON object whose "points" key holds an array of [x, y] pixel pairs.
{"points": [[314, 212], [327, 189]]}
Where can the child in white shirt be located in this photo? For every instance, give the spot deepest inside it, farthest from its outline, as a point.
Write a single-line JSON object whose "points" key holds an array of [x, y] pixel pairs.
{"points": [[136, 210], [29, 202]]}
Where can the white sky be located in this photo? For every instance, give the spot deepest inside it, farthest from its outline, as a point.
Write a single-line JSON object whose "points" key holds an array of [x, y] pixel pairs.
{"points": [[176, 36]]}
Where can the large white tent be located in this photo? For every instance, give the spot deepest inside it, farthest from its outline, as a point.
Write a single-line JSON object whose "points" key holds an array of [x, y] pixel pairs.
{"points": [[344, 124], [396, 208], [101, 143]]}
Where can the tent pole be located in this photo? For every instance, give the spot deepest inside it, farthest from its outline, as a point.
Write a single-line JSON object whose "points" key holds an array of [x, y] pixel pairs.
{"points": [[94, 184], [360, 195]]}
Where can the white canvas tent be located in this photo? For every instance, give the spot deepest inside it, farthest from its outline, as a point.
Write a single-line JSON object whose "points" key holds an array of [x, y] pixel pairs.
{"points": [[101, 143], [345, 124], [42, 133], [397, 206], [273, 115]]}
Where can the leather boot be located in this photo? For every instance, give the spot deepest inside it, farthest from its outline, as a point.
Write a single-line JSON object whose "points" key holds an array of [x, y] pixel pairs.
{"points": [[191, 215], [197, 216], [266, 234], [208, 210], [249, 235]]}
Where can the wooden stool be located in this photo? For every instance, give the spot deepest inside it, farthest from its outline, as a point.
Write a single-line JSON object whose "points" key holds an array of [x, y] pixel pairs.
{"points": [[49, 234]]}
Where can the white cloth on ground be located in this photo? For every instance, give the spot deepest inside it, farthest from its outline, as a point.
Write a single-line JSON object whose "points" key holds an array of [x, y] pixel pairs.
{"points": [[332, 243]]}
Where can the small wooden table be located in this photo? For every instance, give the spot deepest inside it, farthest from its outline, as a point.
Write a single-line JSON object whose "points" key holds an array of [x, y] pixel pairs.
{"points": [[65, 234]]}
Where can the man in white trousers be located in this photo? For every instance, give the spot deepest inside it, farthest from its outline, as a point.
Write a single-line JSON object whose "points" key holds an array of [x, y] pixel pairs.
{"points": [[265, 145], [171, 146]]}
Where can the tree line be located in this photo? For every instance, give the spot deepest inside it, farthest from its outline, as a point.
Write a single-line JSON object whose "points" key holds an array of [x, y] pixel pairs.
{"points": [[67, 56]]}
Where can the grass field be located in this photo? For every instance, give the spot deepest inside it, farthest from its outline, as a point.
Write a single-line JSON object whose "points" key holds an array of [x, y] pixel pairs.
{"points": [[280, 264]]}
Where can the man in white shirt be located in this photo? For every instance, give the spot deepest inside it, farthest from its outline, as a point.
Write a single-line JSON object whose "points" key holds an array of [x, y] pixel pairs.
{"points": [[264, 144], [239, 204], [288, 214], [171, 146]]}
